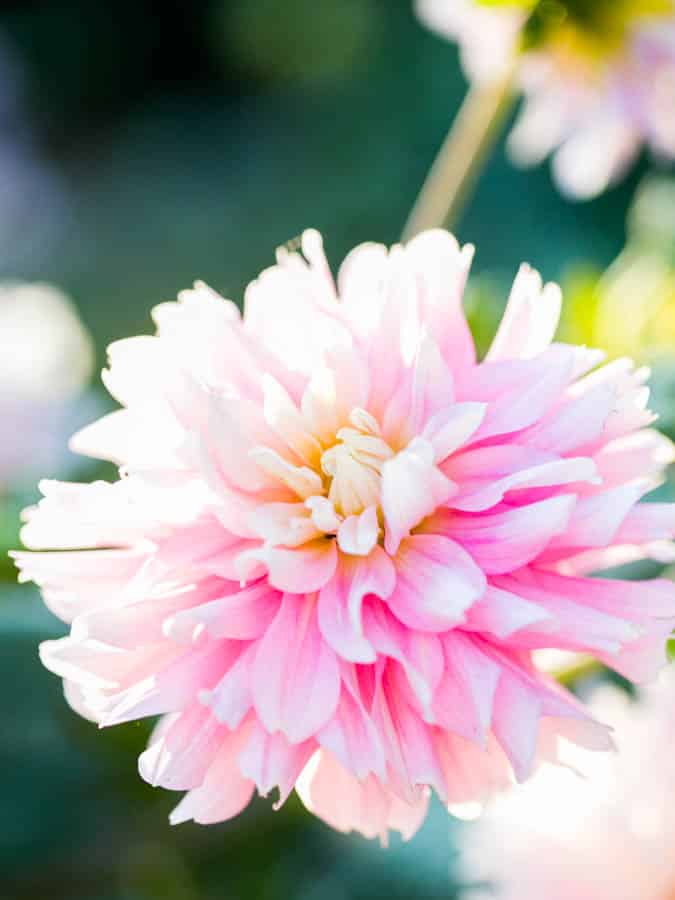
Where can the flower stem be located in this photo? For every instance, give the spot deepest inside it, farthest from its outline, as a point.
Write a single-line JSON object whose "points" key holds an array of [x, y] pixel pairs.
{"points": [[465, 151], [579, 671]]}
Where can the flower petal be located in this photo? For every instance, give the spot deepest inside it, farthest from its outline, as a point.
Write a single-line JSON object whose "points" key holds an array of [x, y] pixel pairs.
{"points": [[412, 487], [436, 582], [295, 674], [339, 607]]}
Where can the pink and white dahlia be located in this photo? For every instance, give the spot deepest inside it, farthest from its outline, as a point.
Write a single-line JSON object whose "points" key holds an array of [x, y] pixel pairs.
{"points": [[598, 87], [338, 539], [609, 835]]}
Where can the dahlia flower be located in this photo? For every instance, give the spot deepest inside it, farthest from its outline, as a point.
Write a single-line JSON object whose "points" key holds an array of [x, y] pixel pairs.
{"points": [[609, 835], [46, 358], [598, 81], [338, 539]]}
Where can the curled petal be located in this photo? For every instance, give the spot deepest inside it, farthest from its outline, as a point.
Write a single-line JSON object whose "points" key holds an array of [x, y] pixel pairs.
{"points": [[412, 487], [339, 607], [299, 570], [436, 582]]}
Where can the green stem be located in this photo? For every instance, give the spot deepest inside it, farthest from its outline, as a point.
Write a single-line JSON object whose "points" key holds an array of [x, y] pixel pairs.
{"points": [[581, 670], [463, 155]]}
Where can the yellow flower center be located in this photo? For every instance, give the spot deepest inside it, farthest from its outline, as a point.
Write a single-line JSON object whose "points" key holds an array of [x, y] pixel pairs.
{"points": [[586, 31], [354, 465]]}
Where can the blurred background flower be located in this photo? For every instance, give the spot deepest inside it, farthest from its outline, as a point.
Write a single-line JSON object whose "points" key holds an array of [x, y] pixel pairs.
{"points": [[162, 142], [628, 309], [46, 360], [598, 78], [599, 830]]}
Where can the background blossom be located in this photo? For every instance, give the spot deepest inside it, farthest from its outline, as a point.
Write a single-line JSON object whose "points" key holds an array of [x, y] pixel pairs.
{"points": [[606, 835], [46, 359], [338, 538], [596, 88]]}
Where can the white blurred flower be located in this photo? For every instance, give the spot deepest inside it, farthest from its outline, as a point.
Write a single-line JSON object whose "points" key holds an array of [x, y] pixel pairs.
{"points": [[46, 359], [600, 830], [599, 82]]}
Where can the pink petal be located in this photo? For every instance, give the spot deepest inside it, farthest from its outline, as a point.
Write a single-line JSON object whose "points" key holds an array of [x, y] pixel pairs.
{"points": [[241, 615], [596, 520], [351, 735], [339, 608], [436, 582], [358, 535], [472, 773], [180, 756], [464, 701], [419, 654], [223, 793], [647, 522], [517, 392], [347, 804], [427, 388], [530, 319], [412, 487], [450, 429], [231, 698], [410, 749], [577, 422], [299, 570], [503, 614], [517, 711], [295, 676], [172, 687], [505, 541], [442, 268], [477, 491], [270, 761]]}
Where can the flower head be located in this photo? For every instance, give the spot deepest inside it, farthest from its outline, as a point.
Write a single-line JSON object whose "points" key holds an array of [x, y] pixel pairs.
{"points": [[46, 358], [598, 78], [338, 539], [607, 835]]}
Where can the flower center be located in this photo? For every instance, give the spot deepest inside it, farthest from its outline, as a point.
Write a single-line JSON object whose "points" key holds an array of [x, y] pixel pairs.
{"points": [[354, 465], [585, 30]]}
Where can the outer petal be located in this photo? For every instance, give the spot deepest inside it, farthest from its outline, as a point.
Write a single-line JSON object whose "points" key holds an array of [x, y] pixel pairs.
{"points": [[182, 749], [223, 793], [231, 698], [270, 761], [442, 268], [518, 392], [530, 319], [331, 793], [472, 773]]}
